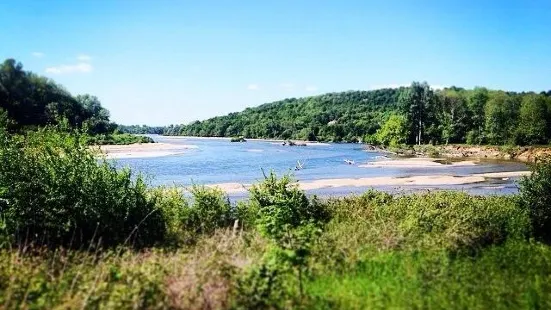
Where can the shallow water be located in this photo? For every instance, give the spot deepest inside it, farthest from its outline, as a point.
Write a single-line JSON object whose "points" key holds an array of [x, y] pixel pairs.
{"points": [[220, 161]]}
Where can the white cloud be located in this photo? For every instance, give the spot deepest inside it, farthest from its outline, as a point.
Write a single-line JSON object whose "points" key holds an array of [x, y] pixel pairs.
{"points": [[311, 88], [253, 87], [38, 54], [81, 67], [84, 57], [438, 87]]}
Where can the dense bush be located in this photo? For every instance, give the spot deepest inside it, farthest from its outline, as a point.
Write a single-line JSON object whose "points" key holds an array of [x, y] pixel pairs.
{"points": [[55, 191], [535, 195], [442, 220], [282, 206]]}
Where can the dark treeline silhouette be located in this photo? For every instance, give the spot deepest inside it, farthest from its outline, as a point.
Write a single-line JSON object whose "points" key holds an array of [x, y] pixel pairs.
{"points": [[416, 114], [29, 101]]}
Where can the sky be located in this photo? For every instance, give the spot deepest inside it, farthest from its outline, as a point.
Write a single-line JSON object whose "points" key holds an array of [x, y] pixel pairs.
{"points": [[169, 62]]}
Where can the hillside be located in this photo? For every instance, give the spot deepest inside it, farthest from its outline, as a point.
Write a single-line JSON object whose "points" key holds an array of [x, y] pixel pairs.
{"points": [[409, 115], [335, 116]]}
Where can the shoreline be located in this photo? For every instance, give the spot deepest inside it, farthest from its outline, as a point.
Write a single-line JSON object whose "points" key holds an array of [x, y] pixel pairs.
{"points": [[512, 153]]}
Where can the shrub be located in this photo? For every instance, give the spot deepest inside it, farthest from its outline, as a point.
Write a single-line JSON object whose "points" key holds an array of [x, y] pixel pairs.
{"points": [[447, 221], [210, 209], [535, 196], [57, 192], [291, 221], [282, 206]]}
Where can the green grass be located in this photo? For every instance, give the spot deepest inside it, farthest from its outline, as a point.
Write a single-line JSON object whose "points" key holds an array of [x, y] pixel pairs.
{"points": [[510, 276]]}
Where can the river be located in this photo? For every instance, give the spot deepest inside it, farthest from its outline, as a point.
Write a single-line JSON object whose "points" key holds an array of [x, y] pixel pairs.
{"points": [[217, 161]]}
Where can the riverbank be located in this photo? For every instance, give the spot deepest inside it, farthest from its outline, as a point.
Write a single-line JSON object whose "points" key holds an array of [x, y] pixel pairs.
{"points": [[142, 150], [520, 153]]}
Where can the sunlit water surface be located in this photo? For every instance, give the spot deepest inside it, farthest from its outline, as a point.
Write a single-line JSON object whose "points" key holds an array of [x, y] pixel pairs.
{"points": [[221, 161]]}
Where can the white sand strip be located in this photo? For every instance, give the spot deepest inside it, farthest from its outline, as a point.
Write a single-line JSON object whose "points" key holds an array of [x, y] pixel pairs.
{"points": [[143, 150], [510, 174], [431, 180], [416, 163]]}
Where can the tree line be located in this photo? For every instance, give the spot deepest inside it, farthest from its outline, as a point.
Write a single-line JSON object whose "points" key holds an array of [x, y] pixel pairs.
{"points": [[417, 114], [29, 101], [141, 129]]}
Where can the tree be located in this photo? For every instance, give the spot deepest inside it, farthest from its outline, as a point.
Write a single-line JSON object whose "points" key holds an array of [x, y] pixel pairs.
{"points": [[97, 117], [416, 103], [477, 102], [393, 132], [533, 120], [501, 118], [454, 116], [33, 101]]}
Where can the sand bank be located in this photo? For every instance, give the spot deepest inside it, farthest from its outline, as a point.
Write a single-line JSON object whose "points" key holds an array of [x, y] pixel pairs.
{"points": [[143, 150], [417, 163], [510, 174], [422, 180]]}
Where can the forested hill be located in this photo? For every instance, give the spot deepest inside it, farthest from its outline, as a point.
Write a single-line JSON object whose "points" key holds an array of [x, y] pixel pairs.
{"points": [[333, 116], [416, 114]]}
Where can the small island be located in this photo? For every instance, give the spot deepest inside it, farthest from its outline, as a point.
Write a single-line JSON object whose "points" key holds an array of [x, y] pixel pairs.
{"points": [[238, 139]]}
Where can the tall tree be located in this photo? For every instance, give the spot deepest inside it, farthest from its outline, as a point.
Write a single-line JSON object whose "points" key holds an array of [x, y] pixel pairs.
{"points": [[454, 116], [501, 118], [477, 103], [533, 127], [417, 103]]}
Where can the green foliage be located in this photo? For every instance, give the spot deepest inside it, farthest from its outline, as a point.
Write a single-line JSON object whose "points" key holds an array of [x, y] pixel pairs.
{"points": [[117, 139], [210, 210], [417, 104], [477, 100], [141, 129], [454, 119], [535, 195], [393, 133], [442, 220], [330, 117], [282, 207], [533, 120], [516, 275], [449, 115], [56, 192], [238, 139], [501, 119], [35, 101], [290, 220]]}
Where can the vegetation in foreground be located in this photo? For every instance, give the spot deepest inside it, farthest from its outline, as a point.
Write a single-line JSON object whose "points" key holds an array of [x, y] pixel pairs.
{"points": [[78, 233]]}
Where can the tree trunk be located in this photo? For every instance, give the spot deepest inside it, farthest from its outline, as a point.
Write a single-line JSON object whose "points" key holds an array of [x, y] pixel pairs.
{"points": [[420, 132]]}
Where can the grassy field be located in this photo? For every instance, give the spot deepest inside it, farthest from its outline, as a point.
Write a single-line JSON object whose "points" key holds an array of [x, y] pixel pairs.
{"points": [[78, 233]]}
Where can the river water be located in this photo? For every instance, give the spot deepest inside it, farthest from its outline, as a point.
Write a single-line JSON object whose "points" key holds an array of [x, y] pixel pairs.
{"points": [[216, 161]]}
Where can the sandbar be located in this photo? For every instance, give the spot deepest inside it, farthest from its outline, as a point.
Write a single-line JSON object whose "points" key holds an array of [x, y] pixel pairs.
{"points": [[143, 150], [422, 180], [417, 163]]}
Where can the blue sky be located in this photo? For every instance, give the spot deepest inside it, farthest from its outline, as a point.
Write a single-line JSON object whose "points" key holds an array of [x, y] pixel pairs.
{"points": [[167, 61]]}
